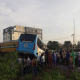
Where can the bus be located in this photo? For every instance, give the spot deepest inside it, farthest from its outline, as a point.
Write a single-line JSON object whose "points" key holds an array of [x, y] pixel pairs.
{"points": [[8, 47], [30, 45]]}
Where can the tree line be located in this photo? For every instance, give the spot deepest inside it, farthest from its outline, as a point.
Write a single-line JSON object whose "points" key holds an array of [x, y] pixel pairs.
{"points": [[67, 45]]}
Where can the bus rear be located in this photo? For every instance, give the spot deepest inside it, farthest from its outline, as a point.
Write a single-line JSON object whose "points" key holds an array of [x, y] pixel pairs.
{"points": [[27, 44]]}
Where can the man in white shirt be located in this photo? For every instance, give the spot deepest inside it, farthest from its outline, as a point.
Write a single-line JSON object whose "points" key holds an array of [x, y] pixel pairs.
{"points": [[28, 61], [38, 57], [19, 60], [43, 61]]}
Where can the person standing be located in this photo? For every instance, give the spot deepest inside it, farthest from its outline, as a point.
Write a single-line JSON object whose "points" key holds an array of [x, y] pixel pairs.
{"points": [[53, 58], [32, 65], [19, 60], [43, 61], [64, 56], [28, 61], [40, 60], [38, 57], [24, 66], [61, 55], [39, 63], [73, 55], [50, 60], [70, 64], [47, 53], [35, 66], [58, 57], [67, 56], [23, 61], [79, 58]]}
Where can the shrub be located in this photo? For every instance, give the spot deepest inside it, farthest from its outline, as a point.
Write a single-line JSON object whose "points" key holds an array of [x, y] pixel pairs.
{"points": [[7, 70], [75, 76], [27, 77], [54, 75]]}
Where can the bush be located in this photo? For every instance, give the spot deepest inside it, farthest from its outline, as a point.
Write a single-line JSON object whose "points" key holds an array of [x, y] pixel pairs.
{"points": [[7, 70], [75, 76], [27, 77], [54, 75]]}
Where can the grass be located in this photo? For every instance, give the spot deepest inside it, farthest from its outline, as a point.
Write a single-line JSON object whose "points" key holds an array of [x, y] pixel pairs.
{"points": [[55, 74]]}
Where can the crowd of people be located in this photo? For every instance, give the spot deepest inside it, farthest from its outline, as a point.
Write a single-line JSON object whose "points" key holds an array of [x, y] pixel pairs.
{"points": [[49, 59]]}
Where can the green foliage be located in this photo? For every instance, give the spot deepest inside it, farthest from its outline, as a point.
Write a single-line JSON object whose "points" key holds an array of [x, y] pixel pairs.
{"points": [[27, 77], [7, 71], [53, 45], [67, 44], [14, 72], [75, 76], [54, 75]]}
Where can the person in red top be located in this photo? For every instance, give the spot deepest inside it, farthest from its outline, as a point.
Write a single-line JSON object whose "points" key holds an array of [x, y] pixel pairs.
{"points": [[32, 65], [50, 60]]}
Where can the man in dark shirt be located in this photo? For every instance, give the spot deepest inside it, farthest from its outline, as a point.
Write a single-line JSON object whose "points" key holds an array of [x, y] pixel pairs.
{"points": [[61, 55], [67, 56], [47, 53]]}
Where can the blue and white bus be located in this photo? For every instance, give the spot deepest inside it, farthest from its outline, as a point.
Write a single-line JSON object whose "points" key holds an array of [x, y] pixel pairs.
{"points": [[30, 44]]}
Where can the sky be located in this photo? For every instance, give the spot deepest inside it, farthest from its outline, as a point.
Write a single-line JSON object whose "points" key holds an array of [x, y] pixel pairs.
{"points": [[55, 17]]}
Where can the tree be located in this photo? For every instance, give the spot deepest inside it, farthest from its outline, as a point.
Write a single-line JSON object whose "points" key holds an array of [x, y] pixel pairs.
{"points": [[53, 45], [78, 44], [67, 44]]}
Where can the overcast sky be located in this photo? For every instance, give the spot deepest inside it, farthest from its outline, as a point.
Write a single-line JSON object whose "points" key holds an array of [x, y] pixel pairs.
{"points": [[55, 17]]}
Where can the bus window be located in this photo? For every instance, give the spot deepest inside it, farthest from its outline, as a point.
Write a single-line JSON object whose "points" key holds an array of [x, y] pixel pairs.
{"points": [[27, 38]]}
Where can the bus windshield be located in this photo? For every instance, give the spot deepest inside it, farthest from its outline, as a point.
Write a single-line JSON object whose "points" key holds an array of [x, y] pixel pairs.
{"points": [[27, 38]]}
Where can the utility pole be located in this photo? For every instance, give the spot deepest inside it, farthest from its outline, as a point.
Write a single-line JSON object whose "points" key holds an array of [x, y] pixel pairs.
{"points": [[74, 34]]}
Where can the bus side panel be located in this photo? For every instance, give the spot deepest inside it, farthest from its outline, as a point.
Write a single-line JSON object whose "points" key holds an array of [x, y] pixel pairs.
{"points": [[35, 51], [40, 51], [8, 50], [9, 43]]}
